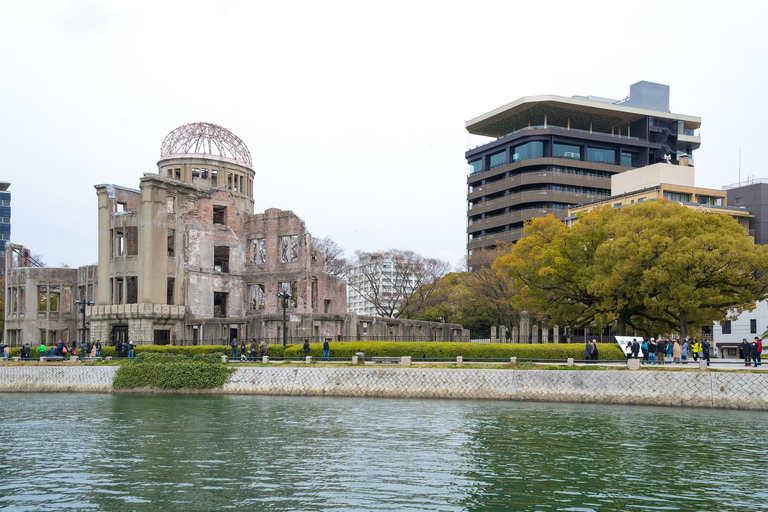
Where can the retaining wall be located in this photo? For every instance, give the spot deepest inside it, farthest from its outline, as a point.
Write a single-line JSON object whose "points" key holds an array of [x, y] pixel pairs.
{"points": [[728, 390]]}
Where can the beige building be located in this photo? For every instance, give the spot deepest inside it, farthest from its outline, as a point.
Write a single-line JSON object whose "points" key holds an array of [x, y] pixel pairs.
{"points": [[664, 181], [183, 259]]}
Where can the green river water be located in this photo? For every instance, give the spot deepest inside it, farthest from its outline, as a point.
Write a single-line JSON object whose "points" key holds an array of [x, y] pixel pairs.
{"points": [[185, 452]]}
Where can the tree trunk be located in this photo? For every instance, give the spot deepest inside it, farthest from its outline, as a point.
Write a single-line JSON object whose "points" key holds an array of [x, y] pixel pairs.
{"points": [[621, 326], [683, 324]]}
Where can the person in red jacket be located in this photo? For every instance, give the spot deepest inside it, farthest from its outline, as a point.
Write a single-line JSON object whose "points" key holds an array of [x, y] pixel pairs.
{"points": [[759, 350]]}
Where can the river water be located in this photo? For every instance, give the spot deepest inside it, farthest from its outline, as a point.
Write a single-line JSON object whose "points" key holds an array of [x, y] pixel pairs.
{"points": [[123, 452]]}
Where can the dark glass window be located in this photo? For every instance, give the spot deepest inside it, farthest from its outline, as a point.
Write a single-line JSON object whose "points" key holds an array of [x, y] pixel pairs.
{"points": [[475, 166], [605, 156], [528, 150], [497, 159], [678, 196], [566, 151], [628, 159], [726, 327], [753, 326]]}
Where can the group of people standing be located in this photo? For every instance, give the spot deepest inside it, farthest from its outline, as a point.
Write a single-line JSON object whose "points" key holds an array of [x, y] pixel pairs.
{"points": [[750, 351], [663, 351], [243, 352]]}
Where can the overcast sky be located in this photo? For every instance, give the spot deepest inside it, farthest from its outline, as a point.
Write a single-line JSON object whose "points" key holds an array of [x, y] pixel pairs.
{"points": [[354, 112]]}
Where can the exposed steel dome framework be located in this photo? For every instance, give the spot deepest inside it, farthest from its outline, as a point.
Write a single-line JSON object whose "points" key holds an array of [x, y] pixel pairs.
{"points": [[205, 139]]}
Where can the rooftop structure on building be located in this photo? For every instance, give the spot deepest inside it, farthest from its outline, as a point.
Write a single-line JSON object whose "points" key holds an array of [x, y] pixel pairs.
{"points": [[664, 181], [551, 152]]}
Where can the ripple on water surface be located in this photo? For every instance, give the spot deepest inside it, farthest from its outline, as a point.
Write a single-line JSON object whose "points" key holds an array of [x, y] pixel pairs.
{"points": [[104, 452]]}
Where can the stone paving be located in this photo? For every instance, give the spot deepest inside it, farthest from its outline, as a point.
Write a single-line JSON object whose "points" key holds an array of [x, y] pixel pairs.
{"points": [[730, 390]]}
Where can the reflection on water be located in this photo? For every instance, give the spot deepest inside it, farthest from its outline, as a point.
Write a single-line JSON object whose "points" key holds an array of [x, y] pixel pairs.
{"points": [[104, 452]]}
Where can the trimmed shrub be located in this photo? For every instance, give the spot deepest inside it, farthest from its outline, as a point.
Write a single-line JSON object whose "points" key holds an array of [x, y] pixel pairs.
{"points": [[173, 371], [439, 350]]}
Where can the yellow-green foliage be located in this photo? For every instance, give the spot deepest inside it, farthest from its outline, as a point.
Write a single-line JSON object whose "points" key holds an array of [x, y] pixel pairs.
{"points": [[433, 350]]}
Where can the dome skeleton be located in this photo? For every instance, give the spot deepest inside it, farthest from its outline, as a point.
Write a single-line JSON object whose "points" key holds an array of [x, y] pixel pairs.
{"points": [[203, 139]]}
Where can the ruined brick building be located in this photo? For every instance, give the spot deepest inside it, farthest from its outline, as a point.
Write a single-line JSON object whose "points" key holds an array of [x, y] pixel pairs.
{"points": [[184, 260]]}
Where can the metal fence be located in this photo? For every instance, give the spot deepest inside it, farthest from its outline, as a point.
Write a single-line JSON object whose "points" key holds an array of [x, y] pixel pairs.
{"points": [[299, 340], [549, 339]]}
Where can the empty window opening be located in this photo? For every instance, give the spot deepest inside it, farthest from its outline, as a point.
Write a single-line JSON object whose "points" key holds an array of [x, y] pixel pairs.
{"points": [[328, 306], [162, 336], [219, 215], [229, 180], [171, 241], [291, 288], [257, 296], [259, 249], [177, 173], [195, 335], [119, 241], [47, 298], [120, 208], [131, 290], [169, 294], [289, 248], [118, 290], [220, 304], [221, 259], [233, 335], [314, 292], [214, 176], [195, 173]]}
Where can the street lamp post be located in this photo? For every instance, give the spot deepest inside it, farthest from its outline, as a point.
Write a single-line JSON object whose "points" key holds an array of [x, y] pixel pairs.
{"points": [[284, 296], [84, 303]]}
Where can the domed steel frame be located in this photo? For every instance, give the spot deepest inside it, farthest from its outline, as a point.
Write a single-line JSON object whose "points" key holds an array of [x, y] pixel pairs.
{"points": [[205, 139]]}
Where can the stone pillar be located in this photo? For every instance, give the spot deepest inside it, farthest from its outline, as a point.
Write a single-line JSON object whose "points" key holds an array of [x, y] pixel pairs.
{"points": [[703, 365], [535, 333], [556, 334], [405, 361], [513, 360], [223, 359], [16, 359], [570, 361], [545, 334], [308, 359], [525, 326], [502, 334], [354, 359], [633, 364], [459, 360], [493, 334], [265, 359], [515, 334]]}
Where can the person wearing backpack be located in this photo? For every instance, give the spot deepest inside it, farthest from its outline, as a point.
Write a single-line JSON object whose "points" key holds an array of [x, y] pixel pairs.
{"points": [[670, 349], [652, 351], [644, 348]]}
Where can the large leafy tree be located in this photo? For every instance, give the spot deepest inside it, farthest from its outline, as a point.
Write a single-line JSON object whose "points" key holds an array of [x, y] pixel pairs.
{"points": [[655, 266]]}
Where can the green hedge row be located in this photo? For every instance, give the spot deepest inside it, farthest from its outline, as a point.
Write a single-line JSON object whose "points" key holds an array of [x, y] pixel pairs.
{"points": [[173, 371], [607, 351]]}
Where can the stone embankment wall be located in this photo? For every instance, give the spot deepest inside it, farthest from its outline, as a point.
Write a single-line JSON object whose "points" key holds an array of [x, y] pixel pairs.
{"points": [[727, 390]]}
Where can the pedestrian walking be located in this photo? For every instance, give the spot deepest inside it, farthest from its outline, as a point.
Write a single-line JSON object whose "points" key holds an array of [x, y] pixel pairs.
{"points": [[753, 352], [254, 352], [129, 349], [696, 348], [326, 349], [306, 347], [594, 355], [243, 355], [98, 348], [635, 348]]}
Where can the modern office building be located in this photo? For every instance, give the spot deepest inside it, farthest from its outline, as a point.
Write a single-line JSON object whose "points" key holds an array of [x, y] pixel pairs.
{"points": [[5, 220], [551, 152], [753, 196]]}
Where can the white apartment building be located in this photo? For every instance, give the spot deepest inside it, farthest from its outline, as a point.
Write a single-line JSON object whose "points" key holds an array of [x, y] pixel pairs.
{"points": [[378, 281]]}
